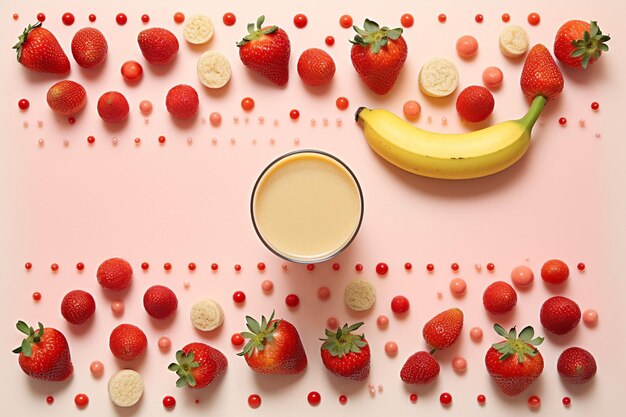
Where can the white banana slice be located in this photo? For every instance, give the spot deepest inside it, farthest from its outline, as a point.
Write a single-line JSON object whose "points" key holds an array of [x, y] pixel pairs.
{"points": [[213, 69], [207, 315], [125, 388], [513, 41], [359, 295], [438, 78], [198, 29]]}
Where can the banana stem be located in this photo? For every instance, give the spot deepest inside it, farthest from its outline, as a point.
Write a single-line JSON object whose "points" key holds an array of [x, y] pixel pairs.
{"points": [[534, 112]]}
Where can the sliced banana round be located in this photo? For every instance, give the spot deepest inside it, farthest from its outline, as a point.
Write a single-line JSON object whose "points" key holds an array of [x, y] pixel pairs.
{"points": [[198, 29], [359, 295], [213, 69], [513, 41], [438, 78], [207, 315], [125, 388]]}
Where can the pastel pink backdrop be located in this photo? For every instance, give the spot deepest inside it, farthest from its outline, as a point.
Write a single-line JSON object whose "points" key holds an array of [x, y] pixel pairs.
{"points": [[182, 203]]}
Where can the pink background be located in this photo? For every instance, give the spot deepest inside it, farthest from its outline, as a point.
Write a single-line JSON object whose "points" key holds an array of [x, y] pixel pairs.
{"points": [[182, 203]]}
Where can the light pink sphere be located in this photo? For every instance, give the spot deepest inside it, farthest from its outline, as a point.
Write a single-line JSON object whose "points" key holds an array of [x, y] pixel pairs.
{"points": [[458, 286], [492, 77], [459, 364], [323, 293], [332, 323], [96, 368], [391, 348], [466, 46], [590, 317], [117, 307], [522, 276], [411, 109], [164, 343], [215, 118], [382, 321], [145, 107], [476, 334], [267, 286]]}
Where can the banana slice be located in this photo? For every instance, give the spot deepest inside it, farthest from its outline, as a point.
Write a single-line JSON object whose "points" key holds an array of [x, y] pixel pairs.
{"points": [[207, 315], [438, 78], [125, 388], [213, 69], [513, 41], [198, 29], [359, 295]]}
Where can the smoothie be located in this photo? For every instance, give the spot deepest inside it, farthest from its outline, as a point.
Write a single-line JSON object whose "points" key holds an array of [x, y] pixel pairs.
{"points": [[307, 206]]}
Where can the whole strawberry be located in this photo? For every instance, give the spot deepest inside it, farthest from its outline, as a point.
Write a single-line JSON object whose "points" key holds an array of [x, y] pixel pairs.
{"points": [[89, 48], [274, 347], [540, 75], [499, 298], [475, 103], [114, 274], [160, 302], [420, 368], [159, 46], [113, 107], [576, 365], [266, 51], [579, 44], [182, 102], [44, 354], [78, 306], [443, 330], [559, 315], [316, 67], [197, 365], [127, 342], [345, 354], [378, 55], [66, 97], [38, 50], [515, 363]]}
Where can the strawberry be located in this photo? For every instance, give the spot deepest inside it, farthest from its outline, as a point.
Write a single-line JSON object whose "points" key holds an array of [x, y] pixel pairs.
{"points": [[113, 107], [78, 306], [420, 368], [182, 102], [159, 46], [441, 331], [378, 55], [540, 75], [274, 347], [44, 353], [499, 298], [127, 342], [66, 97], [266, 51], [197, 365], [475, 103], [555, 271], [89, 48], [576, 365], [316, 67], [38, 50], [579, 44], [559, 315], [515, 363], [115, 274], [345, 354], [160, 302]]}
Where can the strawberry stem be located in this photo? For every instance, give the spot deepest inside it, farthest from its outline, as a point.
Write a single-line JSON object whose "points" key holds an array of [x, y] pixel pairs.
{"points": [[521, 345], [32, 336], [22, 39], [372, 35], [258, 33], [591, 45]]}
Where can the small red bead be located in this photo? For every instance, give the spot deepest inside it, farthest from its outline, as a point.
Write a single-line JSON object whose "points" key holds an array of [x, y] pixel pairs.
{"points": [[300, 20], [16, 16], [92, 18], [442, 18], [80, 266], [408, 266], [68, 19], [23, 104], [400, 304], [343, 399], [562, 121], [254, 401], [121, 19], [430, 267], [28, 265], [229, 19], [580, 266], [292, 300], [506, 17], [50, 399], [71, 120], [214, 267], [36, 296], [294, 114], [169, 401], [534, 19], [54, 267], [358, 267], [310, 267], [407, 20], [314, 398], [336, 267], [145, 18], [490, 266], [479, 18], [345, 21], [342, 103], [594, 106], [161, 139], [382, 268], [413, 397], [481, 399], [247, 103], [167, 266], [41, 17], [145, 266], [567, 401], [445, 398], [81, 400], [454, 266], [137, 141], [179, 17], [239, 297], [91, 140], [237, 339], [191, 266], [237, 267], [260, 266], [534, 402], [330, 40]]}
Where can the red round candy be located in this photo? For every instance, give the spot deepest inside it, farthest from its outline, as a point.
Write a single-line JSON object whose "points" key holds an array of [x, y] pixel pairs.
{"points": [[400, 304], [595, 105], [300, 20], [68, 19], [330, 40], [247, 103], [229, 19], [314, 398], [239, 297], [506, 17], [179, 17], [80, 266], [41, 17], [407, 20], [23, 104], [345, 21], [342, 103], [145, 18], [408, 266], [214, 267], [28, 265], [191, 266], [145, 266], [91, 139], [36, 296], [454, 266], [336, 267], [167, 266], [54, 267], [580, 266], [442, 18], [490, 266], [50, 399], [430, 267], [534, 19], [567, 401], [534, 402], [479, 18], [292, 300], [260, 266], [481, 399], [254, 401], [161, 139], [81, 400], [413, 397], [121, 19], [562, 121], [343, 399], [169, 401], [294, 114], [237, 339], [382, 268], [445, 398]]}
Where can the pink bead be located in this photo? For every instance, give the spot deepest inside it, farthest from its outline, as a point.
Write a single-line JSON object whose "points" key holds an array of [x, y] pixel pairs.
{"points": [[522, 276], [458, 286], [590, 317], [332, 323], [66, 142], [411, 109], [476, 334], [391, 348], [114, 140], [284, 266], [215, 118], [459, 364], [323, 293], [382, 321], [40, 141], [267, 286], [186, 284], [117, 307], [96, 368], [145, 107], [492, 77], [466, 46], [164, 343]]}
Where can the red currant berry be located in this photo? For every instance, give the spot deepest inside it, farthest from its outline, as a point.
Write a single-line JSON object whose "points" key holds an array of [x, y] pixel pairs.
{"points": [[562, 121], [413, 397], [310, 267], [294, 114], [407, 20], [490, 266], [247, 103], [41, 17], [237, 267], [179, 17], [345, 21], [145, 18], [169, 402], [343, 399], [167, 266], [161, 139], [28, 265], [594, 106], [80, 266], [90, 140], [382, 268], [229, 19], [342, 103], [191, 266], [16, 16], [454, 266], [239, 297], [36, 296], [145, 266], [534, 19], [260, 266], [430, 267], [534, 402], [71, 120], [481, 399], [506, 17], [442, 18], [314, 398], [567, 401], [400, 304], [300, 20], [292, 300], [336, 267], [408, 266], [358, 267], [254, 401], [479, 18], [214, 267], [54, 267], [50, 399], [81, 400], [330, 40], [121, 19], [445, 398], [137, 141], [68, 19], [237, 339], [580, 266], [23, 104]]}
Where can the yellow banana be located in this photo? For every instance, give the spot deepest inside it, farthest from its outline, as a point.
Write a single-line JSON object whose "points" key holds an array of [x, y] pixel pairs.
{"points": [[449, 156]]}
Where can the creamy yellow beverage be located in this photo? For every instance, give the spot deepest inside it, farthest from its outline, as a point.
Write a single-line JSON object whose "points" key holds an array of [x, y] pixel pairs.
{"points": [[307, 206]]}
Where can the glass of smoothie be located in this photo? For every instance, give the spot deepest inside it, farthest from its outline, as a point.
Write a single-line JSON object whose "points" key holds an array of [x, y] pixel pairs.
{"points": [[307, 206]]}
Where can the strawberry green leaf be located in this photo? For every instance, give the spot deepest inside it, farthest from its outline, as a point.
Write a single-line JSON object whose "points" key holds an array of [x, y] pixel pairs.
{"points": [[259, 21], [360, 31], [586, 58], [594, 28], [371, 26], [536, 341], [27, 349], [250, 28], [194, 364], [394, 34], [527, 333], [23, 327], [174, 367], [578, 52], [253, 325], [500, 330], [512, 333], [191, 381], [180, 356], [181, 382], [603, 47]]}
